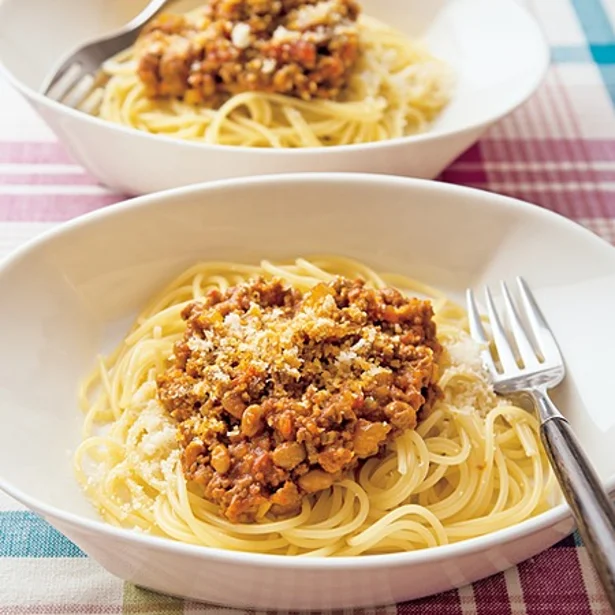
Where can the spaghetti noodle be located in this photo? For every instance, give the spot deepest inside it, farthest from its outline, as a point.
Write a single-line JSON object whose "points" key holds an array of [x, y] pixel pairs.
{"points": [[395, 89], [473, 466]]}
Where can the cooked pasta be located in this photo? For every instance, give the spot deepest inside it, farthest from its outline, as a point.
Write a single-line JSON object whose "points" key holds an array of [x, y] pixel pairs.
{"points": [[472, 466]]}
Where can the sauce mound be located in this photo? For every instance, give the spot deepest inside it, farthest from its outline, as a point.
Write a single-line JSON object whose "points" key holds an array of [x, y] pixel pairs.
{"points": [[300, 48], [279, 393]]}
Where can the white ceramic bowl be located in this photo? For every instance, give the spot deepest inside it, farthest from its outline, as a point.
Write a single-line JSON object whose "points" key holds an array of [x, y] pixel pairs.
{"points": [[72, 293], [494, 46]]}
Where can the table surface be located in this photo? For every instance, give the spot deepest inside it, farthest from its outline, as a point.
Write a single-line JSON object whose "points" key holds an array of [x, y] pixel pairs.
{"points": [[558, 151]]}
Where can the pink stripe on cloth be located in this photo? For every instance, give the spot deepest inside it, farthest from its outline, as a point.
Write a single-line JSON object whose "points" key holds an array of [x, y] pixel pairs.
{"points": [[477, 174], [465, 176], [554, 584], [47, 179], [547, 150], [473, 154], [50, 208], [537, 174], [30, 152], [489, 148]]}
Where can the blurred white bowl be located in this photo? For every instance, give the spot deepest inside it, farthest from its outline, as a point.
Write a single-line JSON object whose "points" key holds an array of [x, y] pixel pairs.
{"points": [[494, 46], [72, 294]]}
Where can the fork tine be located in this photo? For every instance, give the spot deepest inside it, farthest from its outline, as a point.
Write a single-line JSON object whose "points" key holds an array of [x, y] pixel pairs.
{"points": [[65, 83], [477, 331], [58, 76], [500, 339], [540, 328], [79, 92], [526, 350], [92, 102]]}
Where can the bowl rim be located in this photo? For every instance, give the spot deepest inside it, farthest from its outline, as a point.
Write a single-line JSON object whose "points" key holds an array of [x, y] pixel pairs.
{"points": [[539, 66], [558, 514]]}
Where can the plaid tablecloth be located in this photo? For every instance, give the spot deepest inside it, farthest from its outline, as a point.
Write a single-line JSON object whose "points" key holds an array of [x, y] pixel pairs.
{"points": [[558, 151]]}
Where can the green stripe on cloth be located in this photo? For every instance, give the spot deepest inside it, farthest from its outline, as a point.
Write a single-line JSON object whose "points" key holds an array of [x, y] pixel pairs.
{"points": [[582, 54], [600, 36], [594, 21], [571, 55], [137, 600], [24, 534]]}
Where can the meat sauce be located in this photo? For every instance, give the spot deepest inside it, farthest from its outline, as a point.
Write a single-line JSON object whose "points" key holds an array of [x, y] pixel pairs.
{"points": [[279, 393], [300, 48]]}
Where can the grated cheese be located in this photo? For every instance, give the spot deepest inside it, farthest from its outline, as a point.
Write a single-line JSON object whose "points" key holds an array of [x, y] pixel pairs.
{"points": [[313, 14], [465, 352], [269, 65], [240, 36], [284, 35], [464, 380], [233, 322]]}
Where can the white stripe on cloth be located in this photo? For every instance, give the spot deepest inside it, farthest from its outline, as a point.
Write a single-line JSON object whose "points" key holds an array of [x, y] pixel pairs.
{"points": [[19, 121], [591, 107], [467, 600], [42, 169], [595, 594], [545, 186], [57, 585], [25, 189], [515, 592], [520, 165], [559, 22]]}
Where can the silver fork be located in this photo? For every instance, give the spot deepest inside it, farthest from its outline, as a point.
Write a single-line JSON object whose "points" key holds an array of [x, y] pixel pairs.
{"points": [[75, 76], [529, 361]]}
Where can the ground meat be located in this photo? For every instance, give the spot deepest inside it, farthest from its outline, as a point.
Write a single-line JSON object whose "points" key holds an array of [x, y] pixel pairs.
{"points": [[301, 48], [278, 394]]}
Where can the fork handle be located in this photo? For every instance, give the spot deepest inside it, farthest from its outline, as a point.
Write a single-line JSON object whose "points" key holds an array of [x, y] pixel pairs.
{"points": [[590, 504], [149, 11]]}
